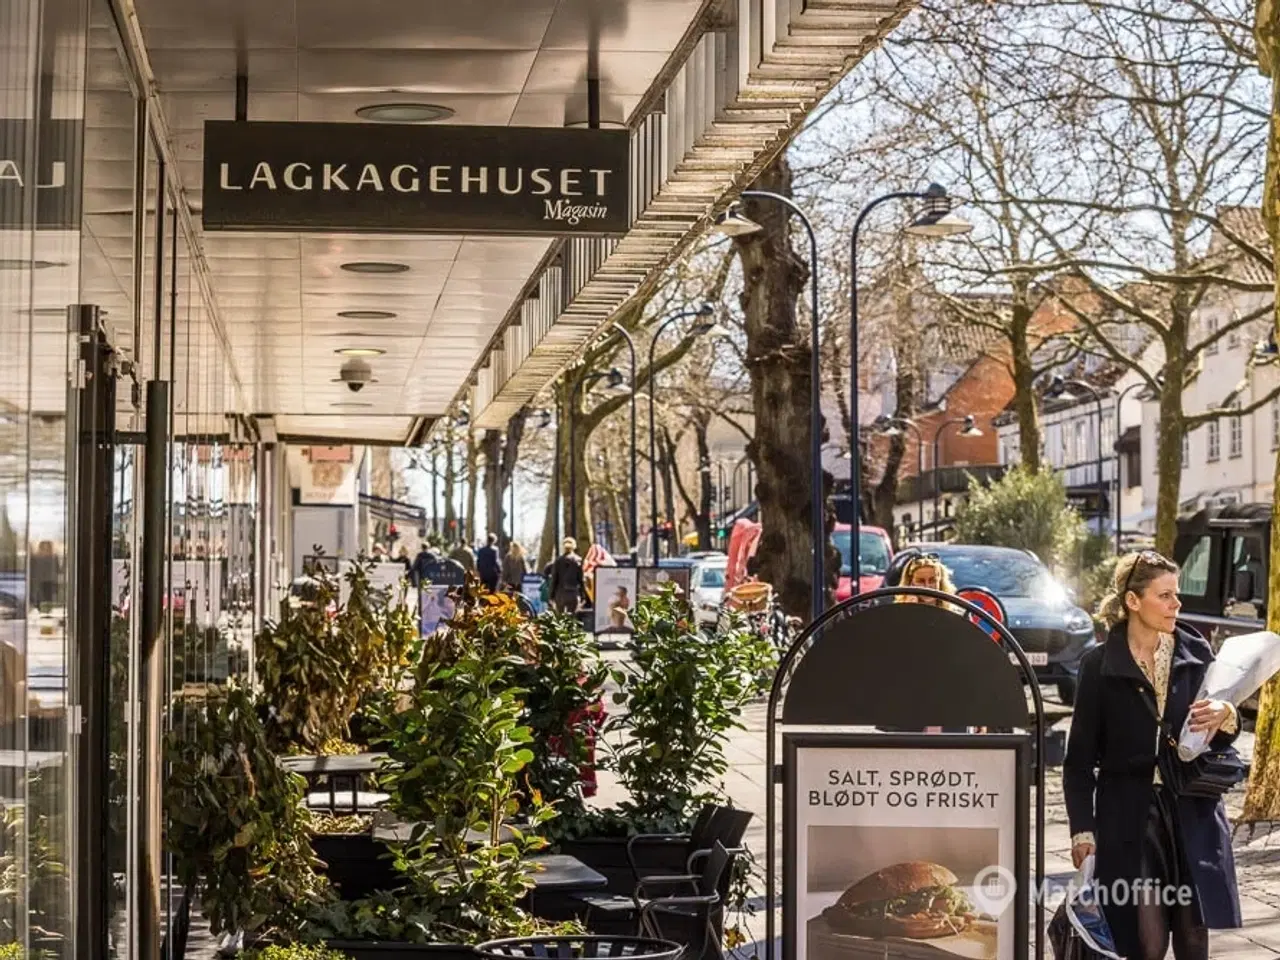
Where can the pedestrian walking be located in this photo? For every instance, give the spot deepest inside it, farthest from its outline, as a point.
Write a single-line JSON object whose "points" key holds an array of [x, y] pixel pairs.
{"points": [[488, 564], [1163, 857], [463, 555], [567, 577], [514, 567]]}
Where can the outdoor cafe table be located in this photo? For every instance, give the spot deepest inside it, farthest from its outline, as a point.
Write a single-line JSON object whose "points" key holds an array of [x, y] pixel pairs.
{"points": [[354, 767]]}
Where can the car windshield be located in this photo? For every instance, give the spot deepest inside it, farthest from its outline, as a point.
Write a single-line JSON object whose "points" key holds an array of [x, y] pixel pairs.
{"points": [[1004, 573], [875, 552], [711, 577]]}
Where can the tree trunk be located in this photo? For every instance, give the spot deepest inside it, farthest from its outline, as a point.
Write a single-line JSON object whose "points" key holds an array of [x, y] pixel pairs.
{"points": [[450, 481], [1169, 455], [1024, 374], [509, 457], [1262, 799], [491, 447], [778, 361], [473, 476]]}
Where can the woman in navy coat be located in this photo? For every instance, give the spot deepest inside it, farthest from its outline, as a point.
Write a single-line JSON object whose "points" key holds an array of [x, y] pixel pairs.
{"points": [[1167, 857]]}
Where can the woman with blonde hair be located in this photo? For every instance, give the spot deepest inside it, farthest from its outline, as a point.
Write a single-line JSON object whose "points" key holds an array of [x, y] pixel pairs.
{"points": [[1169, 852], [927, 570], [514, 567]]}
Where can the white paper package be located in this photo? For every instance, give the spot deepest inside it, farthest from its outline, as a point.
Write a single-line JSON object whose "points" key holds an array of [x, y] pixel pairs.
{"points": [[1242, 666]]}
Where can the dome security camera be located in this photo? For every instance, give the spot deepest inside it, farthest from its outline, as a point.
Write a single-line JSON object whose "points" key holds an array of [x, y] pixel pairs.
{"points": [[355, 373]]}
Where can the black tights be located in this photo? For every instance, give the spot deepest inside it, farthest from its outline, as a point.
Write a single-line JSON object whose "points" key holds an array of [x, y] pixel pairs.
{"points": [[1162, 862], [1157, 924]]}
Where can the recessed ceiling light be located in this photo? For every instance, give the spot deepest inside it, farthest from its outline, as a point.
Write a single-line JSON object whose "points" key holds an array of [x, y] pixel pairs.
{"points": [[404, 112], [350, 403], [375, 266], [360, 351], [9, 263], [367, 314]]}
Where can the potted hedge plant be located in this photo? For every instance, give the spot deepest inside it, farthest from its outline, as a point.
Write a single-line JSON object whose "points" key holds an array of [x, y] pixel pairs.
{"points": [[684, 692], [238, 826], [458, 749]]}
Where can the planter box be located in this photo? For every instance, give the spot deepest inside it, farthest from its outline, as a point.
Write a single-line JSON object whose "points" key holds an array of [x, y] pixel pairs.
{"points": [[356, 864], [608, 855], [393, 950]]}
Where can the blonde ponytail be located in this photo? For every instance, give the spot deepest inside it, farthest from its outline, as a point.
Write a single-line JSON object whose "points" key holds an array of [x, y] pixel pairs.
{"points": [[1134, 571]]}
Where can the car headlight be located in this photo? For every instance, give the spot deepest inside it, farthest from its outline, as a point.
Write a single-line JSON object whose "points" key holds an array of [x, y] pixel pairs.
{"points": [[1078, 621]]}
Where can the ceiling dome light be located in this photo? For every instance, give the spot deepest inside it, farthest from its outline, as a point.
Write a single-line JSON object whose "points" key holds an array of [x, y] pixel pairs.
{"points": [[360, 351], [375, 266], [404, 112], [367, 314]]}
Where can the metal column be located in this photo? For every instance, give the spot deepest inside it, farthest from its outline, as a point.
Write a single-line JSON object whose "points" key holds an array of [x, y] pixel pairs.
{"points": [[91, 436]]}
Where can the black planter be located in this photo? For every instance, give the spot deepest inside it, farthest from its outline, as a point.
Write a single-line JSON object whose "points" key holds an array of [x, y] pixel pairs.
{"points": [[608, 855], [356, 864], [393, 950]]}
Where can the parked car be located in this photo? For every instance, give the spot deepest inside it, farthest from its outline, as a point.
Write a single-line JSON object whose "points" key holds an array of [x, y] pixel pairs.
{"points": [[876, 554], [1043, 616], [707, 588]]}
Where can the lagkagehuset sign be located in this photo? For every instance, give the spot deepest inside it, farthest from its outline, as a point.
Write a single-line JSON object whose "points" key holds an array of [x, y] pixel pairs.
{"points": [[399, 178]]}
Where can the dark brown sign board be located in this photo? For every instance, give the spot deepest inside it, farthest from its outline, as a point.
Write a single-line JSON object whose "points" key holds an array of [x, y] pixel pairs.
{"points": [[401, 178]]}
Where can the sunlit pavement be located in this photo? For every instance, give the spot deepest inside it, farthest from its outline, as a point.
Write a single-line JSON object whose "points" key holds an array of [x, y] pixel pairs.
{"points": [[1257, 849]]}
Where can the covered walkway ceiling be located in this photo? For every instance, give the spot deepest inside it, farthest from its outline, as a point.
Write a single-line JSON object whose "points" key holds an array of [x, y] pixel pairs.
{"points": [[709, 90]]}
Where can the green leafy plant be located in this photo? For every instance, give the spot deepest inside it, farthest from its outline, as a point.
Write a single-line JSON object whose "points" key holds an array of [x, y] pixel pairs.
{"points": [[458, 750], [11, 951], [295, 951], [33, 873], [561, 682], [329, 824], [1023, 510], [237, 820], [684, 693], [323, 659]]}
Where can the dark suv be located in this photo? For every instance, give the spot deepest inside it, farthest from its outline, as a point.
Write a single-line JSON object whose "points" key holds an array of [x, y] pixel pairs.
{"points": [[1054, 632]]}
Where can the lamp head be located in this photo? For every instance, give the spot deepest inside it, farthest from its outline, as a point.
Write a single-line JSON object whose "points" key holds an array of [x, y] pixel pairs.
{"points": [[734, 223], [970, 427], [935, 220], [615, 379], [1058, 390], [544, 418], [705, 310]]}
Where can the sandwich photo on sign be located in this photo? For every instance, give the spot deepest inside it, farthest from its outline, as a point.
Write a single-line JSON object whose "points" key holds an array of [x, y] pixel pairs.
{"points": [[899, 893]]}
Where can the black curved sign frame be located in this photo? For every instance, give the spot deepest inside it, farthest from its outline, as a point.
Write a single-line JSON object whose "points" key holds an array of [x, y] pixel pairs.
{"points": [[976, 704]]}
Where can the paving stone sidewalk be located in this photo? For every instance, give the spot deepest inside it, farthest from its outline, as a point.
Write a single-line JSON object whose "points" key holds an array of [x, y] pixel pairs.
{"points": [[1257, 847]]}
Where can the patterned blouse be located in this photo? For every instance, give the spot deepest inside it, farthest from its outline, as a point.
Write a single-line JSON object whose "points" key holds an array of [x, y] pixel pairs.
{"points": [[1163, 661]]}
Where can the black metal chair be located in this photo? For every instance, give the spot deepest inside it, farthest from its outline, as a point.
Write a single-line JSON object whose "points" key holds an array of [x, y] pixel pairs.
{"points": [[694, 918], [579, 948], [687, 908], [725, 824]]}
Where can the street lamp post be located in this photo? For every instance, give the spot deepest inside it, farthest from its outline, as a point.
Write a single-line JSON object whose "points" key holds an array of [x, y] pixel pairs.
{"points": [[970, 429], [733, 223], [936, 221], [614, 377], [1119, 401], [704, 310], [892, 427], [635, 515], [1061, 389]]}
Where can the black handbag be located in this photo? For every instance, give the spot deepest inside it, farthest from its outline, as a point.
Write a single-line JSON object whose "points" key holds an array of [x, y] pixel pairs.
{"points": [[1208, 776]]}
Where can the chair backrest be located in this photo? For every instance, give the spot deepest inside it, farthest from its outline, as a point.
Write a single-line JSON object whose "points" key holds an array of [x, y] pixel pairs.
{"points": [[700, 833], [730, 826], [713, 869]]}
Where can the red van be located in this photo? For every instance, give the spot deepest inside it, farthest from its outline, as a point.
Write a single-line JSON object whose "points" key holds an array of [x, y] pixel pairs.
{"points": [[876, 554]]}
